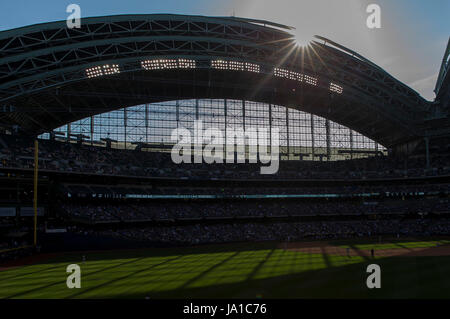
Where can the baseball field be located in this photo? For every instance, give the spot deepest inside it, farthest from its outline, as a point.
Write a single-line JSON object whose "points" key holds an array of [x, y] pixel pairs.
{"points": [[335, 269]]}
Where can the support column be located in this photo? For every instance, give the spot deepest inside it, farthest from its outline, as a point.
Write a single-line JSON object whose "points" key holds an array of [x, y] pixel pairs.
{"points": [[327, 128], [177, 113], [92, 130], [68, 132], [287, 134], [246, 146], [243, 114], [125, 126], [225, 116], [270, 127], [196, 109], [427, 151], [146, 122], [312, 138], [197, 150], [351, 144]]}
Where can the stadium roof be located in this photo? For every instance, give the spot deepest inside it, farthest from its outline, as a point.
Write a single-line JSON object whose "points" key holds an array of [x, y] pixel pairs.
{"points": [[442, 89], [443, 72], [51, 75]]}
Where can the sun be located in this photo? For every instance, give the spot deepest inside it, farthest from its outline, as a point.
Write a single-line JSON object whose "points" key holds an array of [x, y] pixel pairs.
{"points": [[302, 39]]}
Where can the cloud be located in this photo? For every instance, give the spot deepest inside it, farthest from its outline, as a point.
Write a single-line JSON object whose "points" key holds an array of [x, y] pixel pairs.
{"points": [[425, 85]]}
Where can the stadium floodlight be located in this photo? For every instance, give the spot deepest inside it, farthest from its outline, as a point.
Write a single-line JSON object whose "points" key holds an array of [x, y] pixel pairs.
{"points": [[291, 75], [310, 80], [235, 66], [165, 64], [295, 76], [107, 69], [336, 88]]}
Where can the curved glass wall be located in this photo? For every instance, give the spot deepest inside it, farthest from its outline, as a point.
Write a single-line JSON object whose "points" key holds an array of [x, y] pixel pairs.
{"points": [[302, 135]]}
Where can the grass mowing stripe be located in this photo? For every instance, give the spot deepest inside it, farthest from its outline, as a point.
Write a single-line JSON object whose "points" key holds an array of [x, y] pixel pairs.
{"points": [[18, 270], [15, 295], [211, 269], [123, 277], [233, 270]]}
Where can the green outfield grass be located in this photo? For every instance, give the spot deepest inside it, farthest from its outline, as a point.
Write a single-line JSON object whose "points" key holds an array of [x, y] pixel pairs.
{"points": [[262, 270]]}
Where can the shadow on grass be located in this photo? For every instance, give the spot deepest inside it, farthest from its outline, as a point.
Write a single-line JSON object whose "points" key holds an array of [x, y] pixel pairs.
{"points": [[59, 282], [124, 277], [399, 281], [412, 277], [100, 255]]}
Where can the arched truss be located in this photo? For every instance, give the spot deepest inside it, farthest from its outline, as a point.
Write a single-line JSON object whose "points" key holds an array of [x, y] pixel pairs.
{"points": [[51, 75]]}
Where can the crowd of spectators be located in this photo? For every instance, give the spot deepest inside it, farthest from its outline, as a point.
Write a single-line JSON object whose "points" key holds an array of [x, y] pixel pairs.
{"points": [[236, 191], [7, 221], [162, 210], [14, 248], [240, 232], [17, 151]]}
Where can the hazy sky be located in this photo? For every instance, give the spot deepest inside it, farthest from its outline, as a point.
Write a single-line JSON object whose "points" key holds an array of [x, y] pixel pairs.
{"points": [[410, 44]]}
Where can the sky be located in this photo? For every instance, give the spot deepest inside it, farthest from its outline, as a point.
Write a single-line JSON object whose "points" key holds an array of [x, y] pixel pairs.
{"points": [[409, 45]]}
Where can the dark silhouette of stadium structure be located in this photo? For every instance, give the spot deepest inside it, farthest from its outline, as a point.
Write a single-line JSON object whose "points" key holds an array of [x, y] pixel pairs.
{"points": [[44, 83], [51, 76]]}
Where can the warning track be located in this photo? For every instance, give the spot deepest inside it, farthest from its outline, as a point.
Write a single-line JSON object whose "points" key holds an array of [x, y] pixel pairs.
{"points": [[326, 248]]}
